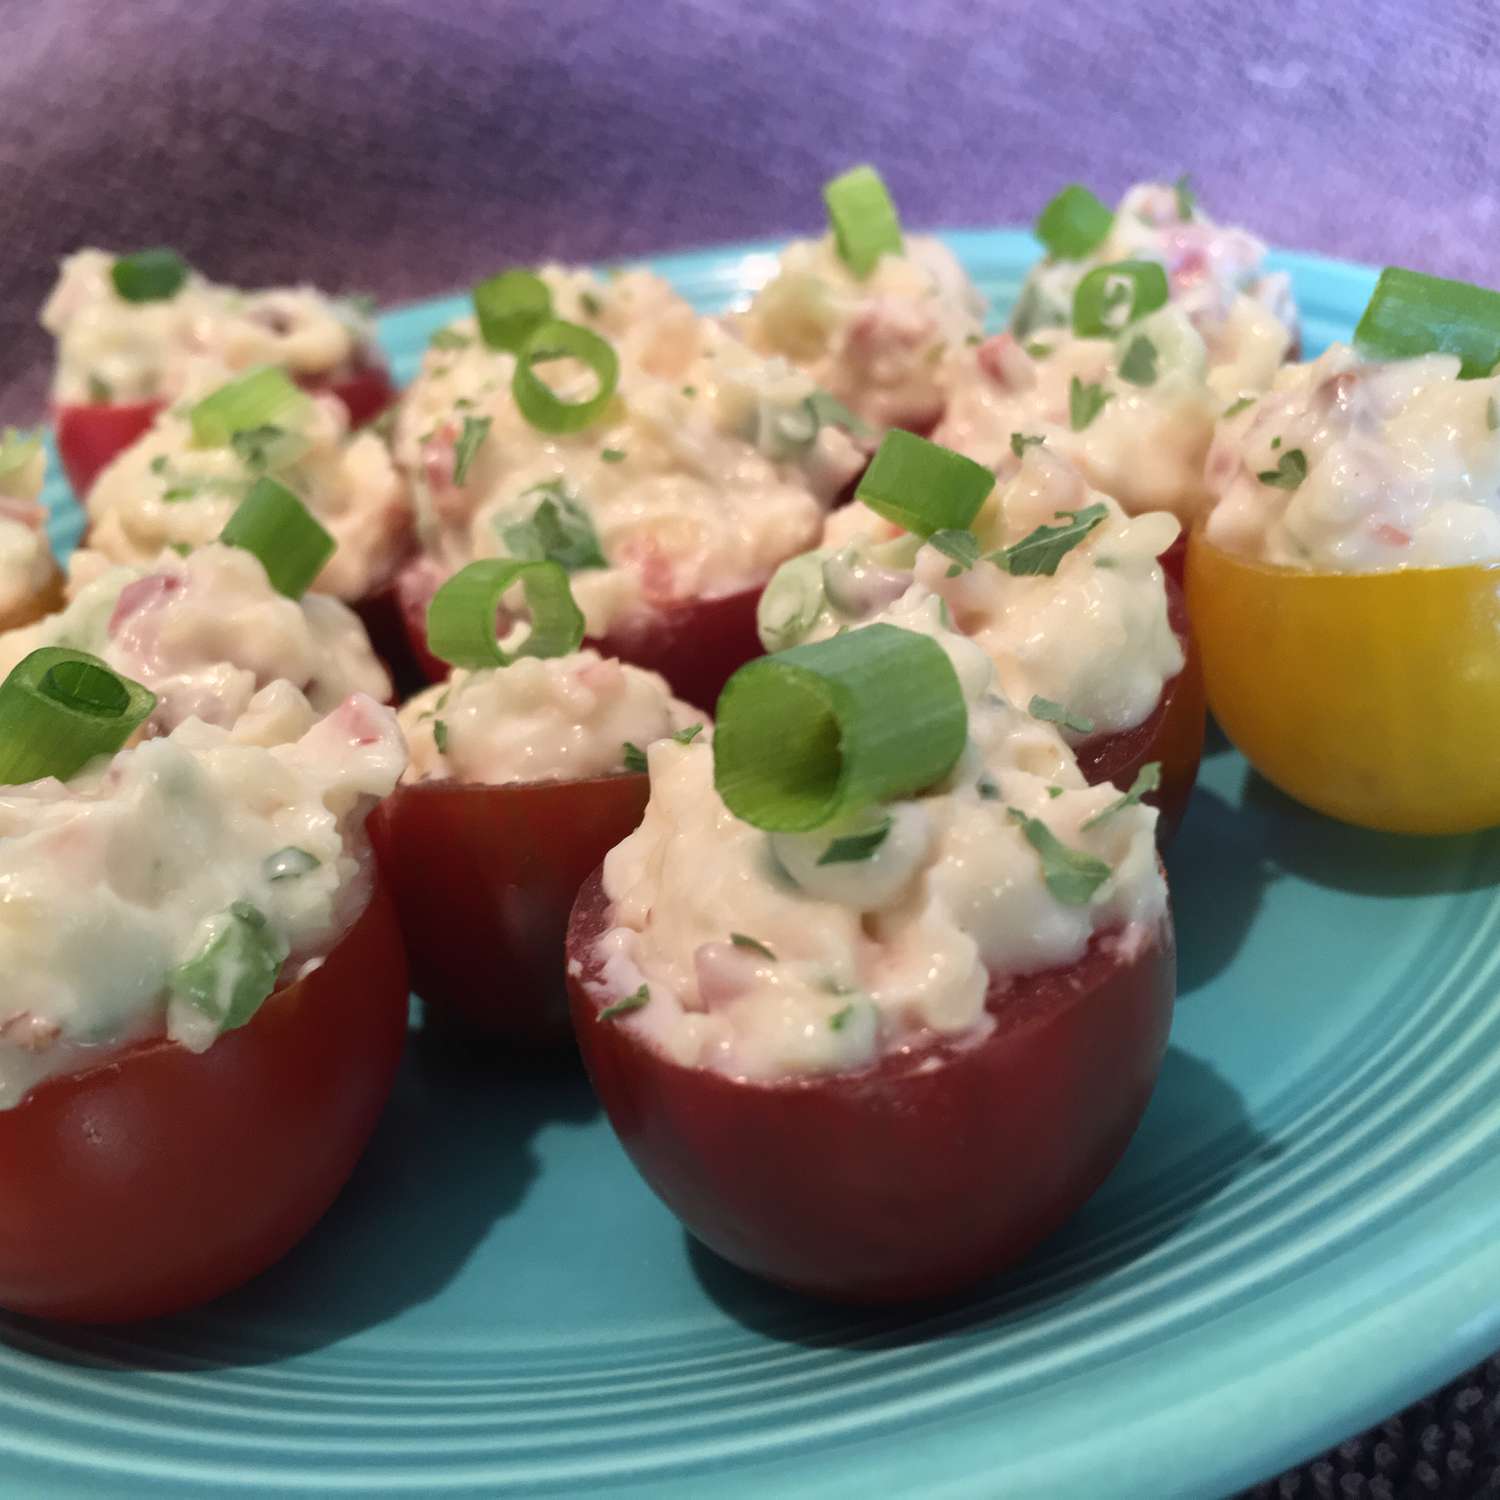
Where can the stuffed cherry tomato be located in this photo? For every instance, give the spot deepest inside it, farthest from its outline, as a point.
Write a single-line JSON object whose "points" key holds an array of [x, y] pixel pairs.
{"points": [[525, 771], [882, 1055], [137, 332], [31, 584], [872, 315], [1346, 586], [666, 466], [1127, 341], [1063, 590], [225, 634], [183, 1094]]}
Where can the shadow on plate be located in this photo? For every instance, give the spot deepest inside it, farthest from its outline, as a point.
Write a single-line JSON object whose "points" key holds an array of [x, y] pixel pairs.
{"points": [[410, 1217], [1218, 869], [1361, 861], [1155, 1193]]}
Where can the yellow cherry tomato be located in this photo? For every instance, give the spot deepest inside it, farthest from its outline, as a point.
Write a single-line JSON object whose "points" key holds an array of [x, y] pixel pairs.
{"points": [[1372, 697]]}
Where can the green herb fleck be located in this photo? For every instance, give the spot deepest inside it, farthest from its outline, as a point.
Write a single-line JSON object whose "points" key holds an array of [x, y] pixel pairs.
{"points": [[590, 304], [613, 455], [470, 440], [633, 758], [1288, 473], [1187, 199], [688, 735], [1071, 875], [1021, 441], [1147, 779], [1054, 713], [449, 338], [641, 998], [1054, 792], [841, 1018], [1139, 363], [961, 546], [100, 390], [559, 530], [1038, 350], [854, 847], [158, 465], [232, 977], [1085, 402], [1275, 444], [1040, 551], [690, 390], [1492, 414], [1239, 406], [987, 789], [440, 735], [754, 945]]}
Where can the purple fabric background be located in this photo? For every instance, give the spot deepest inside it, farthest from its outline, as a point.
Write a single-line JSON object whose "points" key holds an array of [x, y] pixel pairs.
{"points": [[404, 147]]}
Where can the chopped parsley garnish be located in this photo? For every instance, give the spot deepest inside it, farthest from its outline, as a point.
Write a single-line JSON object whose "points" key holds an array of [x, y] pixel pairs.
{"points": [[449, 338], [158, 465], [1147, 780], [613, 455], [1038, 350], [854, 847], [440, 735], [1054, 713], [753, 945], [590, 304], [1054, 792], [636, 1001], [470, 440], [1021, 441], [1139, 363], [1275, 444], [1239, 406], [840, 1018], [690, 390], [988, 791], [1085, 402], [100, 390], [1288, 473], [559, 530], [633, 757], [688, 735], [261, 448], [1040, 551], [1071, 875], [961, 546]]}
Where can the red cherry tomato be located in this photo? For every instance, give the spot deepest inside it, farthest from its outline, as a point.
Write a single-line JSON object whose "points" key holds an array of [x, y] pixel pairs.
{"points": [[484, 878], [161, 1179], [912, 1178], [696, 645], [90, 435], [1171, 735]]}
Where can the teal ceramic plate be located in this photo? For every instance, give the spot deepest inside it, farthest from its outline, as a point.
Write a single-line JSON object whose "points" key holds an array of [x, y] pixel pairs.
{"points": [[1304, 1236]]}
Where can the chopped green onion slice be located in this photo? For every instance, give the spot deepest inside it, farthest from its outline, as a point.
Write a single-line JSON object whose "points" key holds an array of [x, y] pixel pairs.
{"points": [[283, 533], [1085, 402], [1054, 713], [559, 530], [510, 307], [59, 709], [1111, 297], [1138, 365], [1073, 224], [470, 440], [235, 973], [263, 398], [17, 449], [1071, 875], [462, 617], [538, 403], [791, 602], [923, 487], [1040, 551], [1290, 470], [829, 411], [961, 547], [863, 219], [289, 863], [1147, 780], [635, 1001], [633, 758], [1411, 314], [149, 275], [823, 729], [853, 848], [754, 945]]}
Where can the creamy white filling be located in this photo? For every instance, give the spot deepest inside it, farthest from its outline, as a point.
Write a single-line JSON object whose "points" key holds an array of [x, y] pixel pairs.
{"points": [[880, 344], [164, 492], [559, 719], [1216, 275], [838, 964], [1093, 637], [26, 564], [111, 350], [109, 882], [207, 634], [706, 470], [1351, 467]]}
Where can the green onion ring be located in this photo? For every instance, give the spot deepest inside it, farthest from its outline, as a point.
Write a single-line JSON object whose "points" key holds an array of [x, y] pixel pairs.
{"points": [[264, 397], [1098, 296], [538, 403], [462, 616], [292, 545], [924, 487], [863, 218]]}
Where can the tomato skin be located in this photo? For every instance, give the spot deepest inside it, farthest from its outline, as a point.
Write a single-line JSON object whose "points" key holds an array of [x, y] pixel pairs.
{"points": [[1172, 734], [1371, 697], [91, 434], [697, 645], [894, 1183], [162, 1179], [484, 878]]}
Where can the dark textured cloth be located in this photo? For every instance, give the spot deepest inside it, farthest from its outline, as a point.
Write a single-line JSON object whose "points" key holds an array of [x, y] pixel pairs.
{"points": [[403, 147]]}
